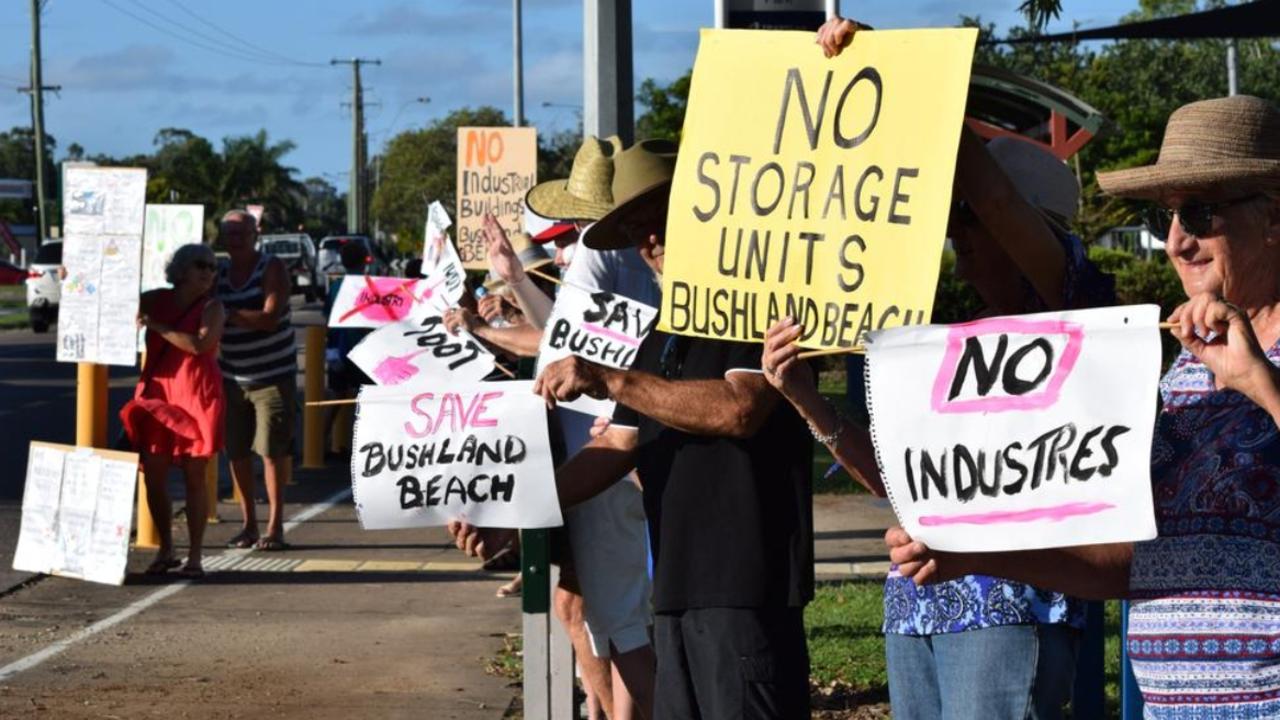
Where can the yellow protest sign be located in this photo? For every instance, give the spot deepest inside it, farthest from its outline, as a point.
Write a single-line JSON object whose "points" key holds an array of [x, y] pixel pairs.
{"points": [[813, 187], [496, 167]]}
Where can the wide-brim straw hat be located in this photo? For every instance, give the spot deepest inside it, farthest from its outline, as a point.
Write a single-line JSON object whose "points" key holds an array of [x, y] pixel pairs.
{"points": [[530, 254], [1227, 144], [586, 194], [641, 176]]}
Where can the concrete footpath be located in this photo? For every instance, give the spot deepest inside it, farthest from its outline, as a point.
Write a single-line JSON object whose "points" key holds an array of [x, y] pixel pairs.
{"points": [[347, 623]]}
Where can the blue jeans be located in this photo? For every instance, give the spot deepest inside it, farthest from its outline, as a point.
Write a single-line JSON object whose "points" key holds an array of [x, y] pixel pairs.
{"points": [[1016, 672]]}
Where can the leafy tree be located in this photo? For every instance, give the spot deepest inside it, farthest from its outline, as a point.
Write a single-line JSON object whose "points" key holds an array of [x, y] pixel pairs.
{"points": [[252, 172], [663, 117], [18, 160], [419, 166], [324, 209]]}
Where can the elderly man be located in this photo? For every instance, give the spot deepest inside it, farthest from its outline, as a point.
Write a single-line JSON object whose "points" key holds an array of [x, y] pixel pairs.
{"points": [[725, 470], [259, 369]]}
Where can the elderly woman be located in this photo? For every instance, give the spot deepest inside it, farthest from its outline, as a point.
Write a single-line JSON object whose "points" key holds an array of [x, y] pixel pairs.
{"points": [[176, 415], [1204, 626], [1013, 202]]}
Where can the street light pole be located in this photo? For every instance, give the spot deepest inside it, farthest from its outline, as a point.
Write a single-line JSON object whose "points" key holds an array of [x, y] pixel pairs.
{"points": [[37, 122], [518, 63]]}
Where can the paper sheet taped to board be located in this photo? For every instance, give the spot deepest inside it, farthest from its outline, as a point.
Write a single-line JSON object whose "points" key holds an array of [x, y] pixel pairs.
{"points": [[1015, 433]]}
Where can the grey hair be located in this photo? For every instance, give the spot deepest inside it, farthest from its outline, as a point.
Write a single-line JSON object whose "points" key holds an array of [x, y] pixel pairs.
{"points": [[182, 259]]}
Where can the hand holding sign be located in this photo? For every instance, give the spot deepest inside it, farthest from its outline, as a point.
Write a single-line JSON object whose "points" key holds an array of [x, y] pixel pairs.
{"points": [[570, 378], [1234, 355], [780, 362]]}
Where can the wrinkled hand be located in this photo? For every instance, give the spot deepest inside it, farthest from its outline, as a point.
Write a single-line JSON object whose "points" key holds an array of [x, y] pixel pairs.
{"points": [[489, 307], [599, 427], [836, 33], [916, 561], [458, 318], [479, 542], [570, 378], [1234, 355], [781, 363], [502, 257]]}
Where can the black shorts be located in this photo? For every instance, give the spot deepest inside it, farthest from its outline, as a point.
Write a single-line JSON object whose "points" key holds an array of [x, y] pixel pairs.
{"points": [[721, 663]]}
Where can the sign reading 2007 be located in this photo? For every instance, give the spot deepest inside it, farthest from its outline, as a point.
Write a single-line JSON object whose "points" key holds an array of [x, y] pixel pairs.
{"points": [[813, 187]]}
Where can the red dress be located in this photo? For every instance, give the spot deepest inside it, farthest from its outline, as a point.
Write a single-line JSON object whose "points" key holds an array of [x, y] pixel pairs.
{"points": [[177, 409]]}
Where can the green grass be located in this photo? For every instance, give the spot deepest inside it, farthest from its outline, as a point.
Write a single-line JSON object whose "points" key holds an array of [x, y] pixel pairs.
{"points": [[845, 645]]}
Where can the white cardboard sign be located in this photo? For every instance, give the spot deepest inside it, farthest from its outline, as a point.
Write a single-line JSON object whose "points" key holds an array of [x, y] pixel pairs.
{"points": [[599, 326], [77, 510], [102, 253], [1015, 433], [440, 262], [168, 227], [477, 452], [419, 350]]}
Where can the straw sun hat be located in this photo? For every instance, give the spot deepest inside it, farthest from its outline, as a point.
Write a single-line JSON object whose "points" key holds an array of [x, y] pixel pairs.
{"points": [[585, 194], [641, 176], [1231, 145]]}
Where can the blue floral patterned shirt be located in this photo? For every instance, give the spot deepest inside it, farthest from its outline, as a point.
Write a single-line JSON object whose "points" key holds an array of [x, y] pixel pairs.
{"points": [[980, 601]]}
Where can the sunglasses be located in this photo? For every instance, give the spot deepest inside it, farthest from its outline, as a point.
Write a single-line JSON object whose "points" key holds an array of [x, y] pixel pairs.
{"points": [[1196, 218], [203, 265]]}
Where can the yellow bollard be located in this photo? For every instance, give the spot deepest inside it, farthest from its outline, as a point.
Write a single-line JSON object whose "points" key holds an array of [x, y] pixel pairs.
{"points": [[147, 536], [91, 405], [313, 417], [211, 490]]}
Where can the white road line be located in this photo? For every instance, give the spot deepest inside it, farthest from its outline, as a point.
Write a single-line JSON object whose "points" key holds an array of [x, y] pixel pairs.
{"points": [[35, 659]]}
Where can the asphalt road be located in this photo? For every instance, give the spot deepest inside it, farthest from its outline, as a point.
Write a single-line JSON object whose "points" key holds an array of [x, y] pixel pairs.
{"points": [[38, 402]]}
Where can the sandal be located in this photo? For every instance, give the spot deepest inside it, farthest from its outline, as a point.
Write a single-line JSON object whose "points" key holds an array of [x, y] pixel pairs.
{"points": [[162, 565], [269, 544], [511, 589], [191, 572], [243, 539]]}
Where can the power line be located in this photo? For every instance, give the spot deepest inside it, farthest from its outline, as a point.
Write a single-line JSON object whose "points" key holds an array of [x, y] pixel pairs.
{"points": [[236, 38], [225, 52]]}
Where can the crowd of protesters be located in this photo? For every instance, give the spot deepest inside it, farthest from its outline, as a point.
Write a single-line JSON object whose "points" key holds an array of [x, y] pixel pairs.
{"points": [[677, 612]]}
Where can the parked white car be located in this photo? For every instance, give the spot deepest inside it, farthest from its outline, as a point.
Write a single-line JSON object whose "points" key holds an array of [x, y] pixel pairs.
{"points": [[44, 287]]}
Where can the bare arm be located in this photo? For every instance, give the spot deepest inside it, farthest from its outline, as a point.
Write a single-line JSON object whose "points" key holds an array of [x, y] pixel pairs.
{"points": [[597, 466], [1014, 223], [275, 289], [736, 406], [203, 340], [1090, 572], [521, 340]]}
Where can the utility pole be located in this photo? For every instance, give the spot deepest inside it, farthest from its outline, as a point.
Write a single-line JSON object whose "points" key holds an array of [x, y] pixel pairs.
{"points": [[36, 90], [518, 63], [608, 94], [356, 205]]}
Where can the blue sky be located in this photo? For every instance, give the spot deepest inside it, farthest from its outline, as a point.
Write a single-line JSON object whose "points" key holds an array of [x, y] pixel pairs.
{"points": [[131, 67]]}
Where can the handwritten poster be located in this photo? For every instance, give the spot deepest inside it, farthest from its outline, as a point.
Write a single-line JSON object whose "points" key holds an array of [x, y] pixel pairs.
{"points": [[168, 227], [371, 301], [598, 326], [477, 452], [102, 253], [77, 510], [826, 197], [440, 262], [1020, 432], [496, 168], [419, 349]]}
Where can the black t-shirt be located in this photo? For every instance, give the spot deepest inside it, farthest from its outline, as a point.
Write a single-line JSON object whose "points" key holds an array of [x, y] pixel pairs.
{"points": [[731, 521]]}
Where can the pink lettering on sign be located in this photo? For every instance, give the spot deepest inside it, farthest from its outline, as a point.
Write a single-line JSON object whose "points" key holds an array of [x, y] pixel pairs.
{"points": [[1029, 374], [611, 334], [1054, 513], [450, 408], [384, 299]]}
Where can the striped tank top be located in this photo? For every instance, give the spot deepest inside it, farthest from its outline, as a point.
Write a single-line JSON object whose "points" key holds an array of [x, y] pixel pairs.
{"points": [[254, 357]]}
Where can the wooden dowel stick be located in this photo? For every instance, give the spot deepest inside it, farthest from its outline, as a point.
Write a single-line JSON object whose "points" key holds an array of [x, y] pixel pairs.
{"points": [[544, 276], [859, 350]]}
